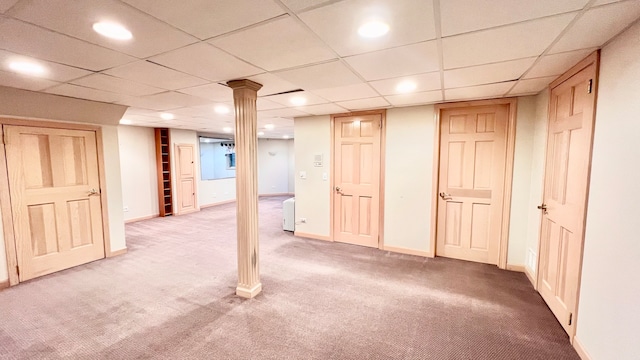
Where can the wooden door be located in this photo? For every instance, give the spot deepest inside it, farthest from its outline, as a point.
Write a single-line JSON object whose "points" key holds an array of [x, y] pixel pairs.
{"points": [[473, 151], [571, 115], [186, 178], [55, 198], [356, 205]]}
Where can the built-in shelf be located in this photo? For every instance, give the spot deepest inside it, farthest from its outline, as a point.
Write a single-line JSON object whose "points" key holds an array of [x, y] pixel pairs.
{"points": [[164, 171]]}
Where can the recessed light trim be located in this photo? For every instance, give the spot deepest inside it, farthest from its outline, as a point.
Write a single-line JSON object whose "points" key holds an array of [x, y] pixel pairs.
{"points": [[167, 116], [227, 129], [27, 68], [222, 109], [269, 126], [406, 87], [285, 136], [260, 133], [112, 30], [298, 100], [125, 122], [373, 29]]}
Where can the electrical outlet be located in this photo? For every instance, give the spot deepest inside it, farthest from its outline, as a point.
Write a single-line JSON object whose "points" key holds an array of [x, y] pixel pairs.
{"points": [[303, 220], [125, 209]]}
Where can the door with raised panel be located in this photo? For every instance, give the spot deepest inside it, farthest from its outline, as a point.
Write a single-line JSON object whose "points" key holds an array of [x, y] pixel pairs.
{"points": [[571, 116], [186, 178], [55, 198], [471, 182], [357, 179]]}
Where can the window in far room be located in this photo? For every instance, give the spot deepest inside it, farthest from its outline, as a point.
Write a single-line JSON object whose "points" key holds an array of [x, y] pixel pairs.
{"points": [[217, 158]]}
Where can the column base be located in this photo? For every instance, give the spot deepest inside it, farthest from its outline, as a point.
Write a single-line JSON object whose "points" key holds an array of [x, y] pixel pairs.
{"points": [[249, 293]]}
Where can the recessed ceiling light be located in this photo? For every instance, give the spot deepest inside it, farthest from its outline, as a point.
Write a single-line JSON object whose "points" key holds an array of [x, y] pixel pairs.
{"points": [[226, 129], [373, 29], [406, 86], [167, 116], [298, 100], [260, 133], [285, 136], [269, 126], [112, 30], [222, 109], [126, 122], [27, 68]]}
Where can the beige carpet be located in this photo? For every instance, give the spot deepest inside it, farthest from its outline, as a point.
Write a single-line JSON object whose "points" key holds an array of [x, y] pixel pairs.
{"points": [[172, 297]]}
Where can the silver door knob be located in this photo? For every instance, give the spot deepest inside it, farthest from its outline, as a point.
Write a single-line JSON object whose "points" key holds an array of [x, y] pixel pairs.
{"points": [[445, 196], [93, 192]]}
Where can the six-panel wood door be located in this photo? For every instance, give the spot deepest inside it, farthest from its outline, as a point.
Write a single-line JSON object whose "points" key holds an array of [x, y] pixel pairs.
{"points": [[571, 115], [357, 179], [186, 178], [55, 198], [471, 182]]}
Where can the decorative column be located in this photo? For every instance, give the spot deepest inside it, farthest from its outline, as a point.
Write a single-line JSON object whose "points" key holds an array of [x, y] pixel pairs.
{"points": [[245, 93]]}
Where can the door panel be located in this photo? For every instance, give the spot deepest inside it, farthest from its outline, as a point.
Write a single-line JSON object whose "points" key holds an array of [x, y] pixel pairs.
{"points": [[473, 152], [57, 218], [186, 179], [566, 182], [357, 179]]}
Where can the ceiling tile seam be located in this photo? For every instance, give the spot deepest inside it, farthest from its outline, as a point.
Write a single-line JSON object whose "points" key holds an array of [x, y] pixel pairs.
{"points": [[388, 48], [586, 7], [317, 6], [437, 19], [490, 63], [71, 82], [93, 72], [248, 27], [555, 41], [618, 34]]}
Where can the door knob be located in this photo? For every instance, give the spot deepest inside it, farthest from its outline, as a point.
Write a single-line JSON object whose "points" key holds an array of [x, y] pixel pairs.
{"points": [[93, 192], [338, 190], [445, 196], [543, 207]]}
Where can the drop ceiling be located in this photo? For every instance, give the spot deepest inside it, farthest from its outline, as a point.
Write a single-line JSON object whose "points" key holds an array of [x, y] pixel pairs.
{"points": [[183, 52]]}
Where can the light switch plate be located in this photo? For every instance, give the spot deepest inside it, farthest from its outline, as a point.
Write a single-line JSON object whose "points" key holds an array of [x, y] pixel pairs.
{"points": [[303, 174]]}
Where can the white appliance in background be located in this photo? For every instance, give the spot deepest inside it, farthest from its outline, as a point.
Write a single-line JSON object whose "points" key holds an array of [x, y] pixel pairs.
{"points": [[289, 214]]}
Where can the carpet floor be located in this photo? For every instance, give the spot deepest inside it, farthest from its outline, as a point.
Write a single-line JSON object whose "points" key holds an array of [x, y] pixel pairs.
{"points": [[172, 297]]}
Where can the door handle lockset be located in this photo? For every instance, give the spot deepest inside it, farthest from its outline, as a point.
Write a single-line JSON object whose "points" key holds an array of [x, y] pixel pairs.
{"points": [[445, 196], [543, 207], [93, 192], [339, 190]]}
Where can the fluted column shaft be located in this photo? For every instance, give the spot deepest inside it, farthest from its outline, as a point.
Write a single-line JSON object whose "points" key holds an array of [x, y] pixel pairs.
{"points": [[246, 140]]}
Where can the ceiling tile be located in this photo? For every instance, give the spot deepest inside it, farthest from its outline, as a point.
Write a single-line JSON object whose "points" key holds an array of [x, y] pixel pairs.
{"points": [[76, 18], [557, 64], [285, 113], [349, 92], [206, 18], [204, 111], [279, 44], [213, 92], [54, 71], [285, 99], [405, 60], [207, 62], [176, 99], [263, 104], [487, 74], [323, 109], [327, 75], [297, 5], [117, 85], [478, 92], [423, 82], [427, 97], [19, 81], [598, 25], [362, 104], [30, 40], [82, 92], [505, 43], [155, 75], [531, 86], [337, 24], [460, 16], [603, 2], [272, 84], [6, 5]]}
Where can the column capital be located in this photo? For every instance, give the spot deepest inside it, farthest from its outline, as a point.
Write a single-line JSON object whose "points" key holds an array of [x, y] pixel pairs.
{"points": [[244, 84]]}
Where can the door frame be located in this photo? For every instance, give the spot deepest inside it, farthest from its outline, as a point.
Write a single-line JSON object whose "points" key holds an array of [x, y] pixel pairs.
{"points": [[383, 127], [176, 157], [593, 58], [5, 197], [508, 176]]}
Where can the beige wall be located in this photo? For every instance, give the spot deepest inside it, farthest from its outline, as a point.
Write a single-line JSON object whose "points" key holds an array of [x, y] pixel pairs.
{"points": [[608, 323], [410, 134], [408, 176], [312, 136], [138, 170], [32, 105]]}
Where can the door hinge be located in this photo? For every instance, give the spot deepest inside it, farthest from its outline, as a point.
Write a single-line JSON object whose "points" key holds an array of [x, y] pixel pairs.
{"points": [[590, 86], [4, 138], [380, 124], [570, 318], [18, 270]]}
